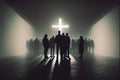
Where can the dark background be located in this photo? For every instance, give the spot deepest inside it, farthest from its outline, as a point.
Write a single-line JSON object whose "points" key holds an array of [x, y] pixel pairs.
{"points": [[80, 15]]}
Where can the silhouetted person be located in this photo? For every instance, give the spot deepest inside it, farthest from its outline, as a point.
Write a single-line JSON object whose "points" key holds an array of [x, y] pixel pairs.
{"points": [[85, 45], [30, 47], [92, 46], [58, 42], [89, 46], [63, 46], [67, 42], [77, 45], [36, 46], [45, 45], [52, 45], [73, 44], [41, 45], [81, 46]]}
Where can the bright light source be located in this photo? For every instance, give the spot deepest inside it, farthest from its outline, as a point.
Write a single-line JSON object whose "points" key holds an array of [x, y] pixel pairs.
{"points": [[60, 26]]}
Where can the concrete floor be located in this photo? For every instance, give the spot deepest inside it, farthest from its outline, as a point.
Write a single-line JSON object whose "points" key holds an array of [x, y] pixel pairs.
{"points": [[89, 68]]}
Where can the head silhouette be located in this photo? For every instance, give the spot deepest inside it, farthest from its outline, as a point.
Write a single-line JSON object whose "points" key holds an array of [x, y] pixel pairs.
{"points": [[45, 35], [59, 32], [63, 34], [66, 34], [52, 36], [81, 37]]}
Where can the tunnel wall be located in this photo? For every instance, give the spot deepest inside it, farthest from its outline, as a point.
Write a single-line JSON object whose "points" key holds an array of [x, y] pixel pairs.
{"points": [[105, 34], [14, 32]]}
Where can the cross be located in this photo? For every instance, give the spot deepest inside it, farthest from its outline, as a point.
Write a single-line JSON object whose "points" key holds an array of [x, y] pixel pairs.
{"points": [[60, 26]]}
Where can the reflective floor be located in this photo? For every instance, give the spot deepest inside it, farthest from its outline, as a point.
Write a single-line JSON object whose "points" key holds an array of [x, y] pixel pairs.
{"points": [[89, 68]]}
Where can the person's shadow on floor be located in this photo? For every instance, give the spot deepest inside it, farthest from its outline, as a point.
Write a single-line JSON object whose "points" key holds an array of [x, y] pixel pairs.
{"points": [[41, 71]]}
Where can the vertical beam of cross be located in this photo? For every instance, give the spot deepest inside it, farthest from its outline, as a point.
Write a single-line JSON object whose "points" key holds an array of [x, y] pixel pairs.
{"points": [[60, 26]]}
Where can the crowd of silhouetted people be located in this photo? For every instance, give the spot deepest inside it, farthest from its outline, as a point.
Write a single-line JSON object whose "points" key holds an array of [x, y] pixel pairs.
{"points": [[34, 47], [62, 44], [88, 45]]}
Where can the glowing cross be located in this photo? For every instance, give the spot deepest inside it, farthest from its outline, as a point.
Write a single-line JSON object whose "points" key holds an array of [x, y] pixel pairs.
{"points": [[60, 26]]}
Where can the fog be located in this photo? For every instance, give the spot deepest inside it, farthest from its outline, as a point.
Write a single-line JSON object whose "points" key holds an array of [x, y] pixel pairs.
{"points": [[15, 32], [105, 34]]}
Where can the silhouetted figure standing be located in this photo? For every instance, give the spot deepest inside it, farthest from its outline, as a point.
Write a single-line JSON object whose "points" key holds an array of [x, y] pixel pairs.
{"points": [[89, 46], [45, 45], [67, 42], [73, 44], [30, 47], [63, 46], [77, 45], [36, 46], [52, 45], [81, 46], [85, 45], [41, 44], [58, 42], [92, 46]]}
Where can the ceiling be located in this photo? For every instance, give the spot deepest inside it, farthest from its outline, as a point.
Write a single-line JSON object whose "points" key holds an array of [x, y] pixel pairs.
{"points": [[75, 12]]}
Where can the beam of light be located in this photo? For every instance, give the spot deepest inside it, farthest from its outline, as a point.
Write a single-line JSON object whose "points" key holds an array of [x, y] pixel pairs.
{"points": [[60, 26], [72, 59], [105, 34]]}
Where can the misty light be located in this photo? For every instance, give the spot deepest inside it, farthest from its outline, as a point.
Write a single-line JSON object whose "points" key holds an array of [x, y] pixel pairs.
{"points": [[105, 35], [60, 26], [16, 34]]}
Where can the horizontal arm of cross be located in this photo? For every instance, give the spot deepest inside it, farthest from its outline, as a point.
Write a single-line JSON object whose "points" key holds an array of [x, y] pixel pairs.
{"points": [[54, 26], [66, 26]]}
